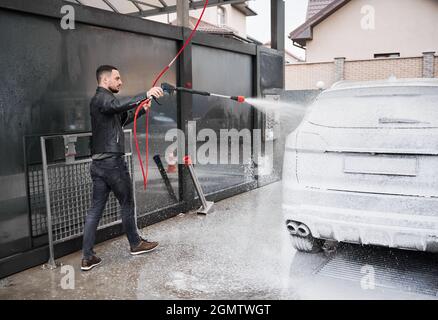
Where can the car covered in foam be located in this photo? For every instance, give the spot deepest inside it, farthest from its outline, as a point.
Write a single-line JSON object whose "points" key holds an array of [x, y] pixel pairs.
{"points": [[362, 167]]}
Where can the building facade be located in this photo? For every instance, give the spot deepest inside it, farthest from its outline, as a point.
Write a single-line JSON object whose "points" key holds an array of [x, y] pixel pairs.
{"points": [[365, 40], [228, 18]]}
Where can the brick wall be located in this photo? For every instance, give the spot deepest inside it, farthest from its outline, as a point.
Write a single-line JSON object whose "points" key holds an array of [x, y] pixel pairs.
{"points": [[383, 68], [306, 75], [436, 67]]}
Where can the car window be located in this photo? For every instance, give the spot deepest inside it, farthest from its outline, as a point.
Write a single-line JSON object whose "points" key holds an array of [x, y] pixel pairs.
{"points": [[379, 107]]}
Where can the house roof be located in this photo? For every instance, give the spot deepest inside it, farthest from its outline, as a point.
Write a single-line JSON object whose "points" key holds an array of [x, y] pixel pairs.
{"points": [[207, 27], [245, 9], [315, 6], [211, 28], [317, 11], [292, 55]]}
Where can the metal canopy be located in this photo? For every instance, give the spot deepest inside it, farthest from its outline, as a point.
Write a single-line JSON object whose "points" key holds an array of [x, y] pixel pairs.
{"points": [[147, 8]]}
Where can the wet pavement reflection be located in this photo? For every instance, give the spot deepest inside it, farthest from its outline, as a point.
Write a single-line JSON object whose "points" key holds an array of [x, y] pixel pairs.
{"points": [[241, 251]]}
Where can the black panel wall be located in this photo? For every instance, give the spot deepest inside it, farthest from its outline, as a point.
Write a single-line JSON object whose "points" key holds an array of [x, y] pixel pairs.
{"points": [[47, 80]]}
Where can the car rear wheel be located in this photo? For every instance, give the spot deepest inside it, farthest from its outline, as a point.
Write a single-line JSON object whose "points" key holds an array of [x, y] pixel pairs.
{"points": [[307, 244]]}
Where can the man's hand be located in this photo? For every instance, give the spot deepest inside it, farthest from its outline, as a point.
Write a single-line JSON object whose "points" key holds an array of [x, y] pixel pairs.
{"points": [[147, 105], [156, 92]]}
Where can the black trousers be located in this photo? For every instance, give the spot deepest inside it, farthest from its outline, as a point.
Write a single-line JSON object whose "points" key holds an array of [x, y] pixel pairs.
{"points": [[110, 174]]}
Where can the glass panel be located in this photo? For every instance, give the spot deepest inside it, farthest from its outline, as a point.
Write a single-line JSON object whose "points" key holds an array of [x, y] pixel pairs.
{"points": [[225, 73]]}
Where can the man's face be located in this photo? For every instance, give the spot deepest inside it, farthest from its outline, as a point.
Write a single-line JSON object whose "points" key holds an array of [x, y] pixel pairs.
{"points": [[114, 81]]}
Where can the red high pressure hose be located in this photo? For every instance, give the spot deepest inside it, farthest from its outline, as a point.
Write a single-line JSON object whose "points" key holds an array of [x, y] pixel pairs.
{"points": [[143, 171]]}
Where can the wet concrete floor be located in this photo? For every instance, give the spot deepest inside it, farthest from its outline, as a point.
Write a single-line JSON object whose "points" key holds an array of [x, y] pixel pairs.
{"points": [[241, 251]]}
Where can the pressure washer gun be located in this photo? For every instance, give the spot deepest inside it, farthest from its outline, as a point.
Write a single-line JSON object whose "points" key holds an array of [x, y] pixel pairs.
{"points": [[169, 89]]}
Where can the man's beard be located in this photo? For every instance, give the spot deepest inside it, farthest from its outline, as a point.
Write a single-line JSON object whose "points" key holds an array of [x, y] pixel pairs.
{"points": [[114, 90]]}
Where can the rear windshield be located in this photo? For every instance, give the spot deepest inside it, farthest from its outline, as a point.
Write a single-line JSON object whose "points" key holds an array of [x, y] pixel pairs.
{"points": [[380, 107]]}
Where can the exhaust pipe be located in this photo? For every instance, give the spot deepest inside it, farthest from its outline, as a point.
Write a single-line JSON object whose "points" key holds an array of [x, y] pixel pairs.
{"points": [[303, 230], [292, 227]]}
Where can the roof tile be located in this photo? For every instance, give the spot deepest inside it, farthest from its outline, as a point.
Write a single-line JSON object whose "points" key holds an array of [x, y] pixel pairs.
{"points": [[315, 6]]}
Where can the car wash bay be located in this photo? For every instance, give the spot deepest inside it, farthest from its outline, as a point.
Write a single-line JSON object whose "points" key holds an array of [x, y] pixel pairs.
{"points": [[49, 80], [241, 250]]}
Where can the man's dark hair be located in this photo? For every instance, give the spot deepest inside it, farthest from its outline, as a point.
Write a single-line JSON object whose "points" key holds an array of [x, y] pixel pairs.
{"points": [[103, 69]]}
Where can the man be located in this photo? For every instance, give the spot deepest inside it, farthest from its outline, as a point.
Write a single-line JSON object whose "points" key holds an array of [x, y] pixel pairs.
{"points": [[109, 171]]}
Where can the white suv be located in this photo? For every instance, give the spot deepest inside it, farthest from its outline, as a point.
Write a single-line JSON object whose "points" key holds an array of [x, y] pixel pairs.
{"points": [[362, 167]]}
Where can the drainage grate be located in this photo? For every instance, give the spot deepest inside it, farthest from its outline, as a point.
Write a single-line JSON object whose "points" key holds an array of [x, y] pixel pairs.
{"points": [[413, 272]]}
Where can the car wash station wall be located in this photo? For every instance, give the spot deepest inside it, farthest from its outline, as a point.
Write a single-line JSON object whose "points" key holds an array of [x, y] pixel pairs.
{"points": [[48, 79]]}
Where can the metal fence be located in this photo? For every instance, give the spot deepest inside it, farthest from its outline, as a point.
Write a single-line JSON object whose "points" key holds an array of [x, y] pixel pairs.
{"points": [[61, 193]]}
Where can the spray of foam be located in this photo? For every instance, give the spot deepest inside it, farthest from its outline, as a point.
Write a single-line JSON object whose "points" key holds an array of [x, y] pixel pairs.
{"points": [[288, 112]]}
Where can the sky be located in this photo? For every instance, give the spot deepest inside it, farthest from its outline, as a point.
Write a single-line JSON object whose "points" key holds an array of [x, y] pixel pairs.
{"points": [[259, 26]]}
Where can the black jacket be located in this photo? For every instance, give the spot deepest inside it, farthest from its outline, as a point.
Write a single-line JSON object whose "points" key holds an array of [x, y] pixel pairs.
{"points": [[108, 116]]}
